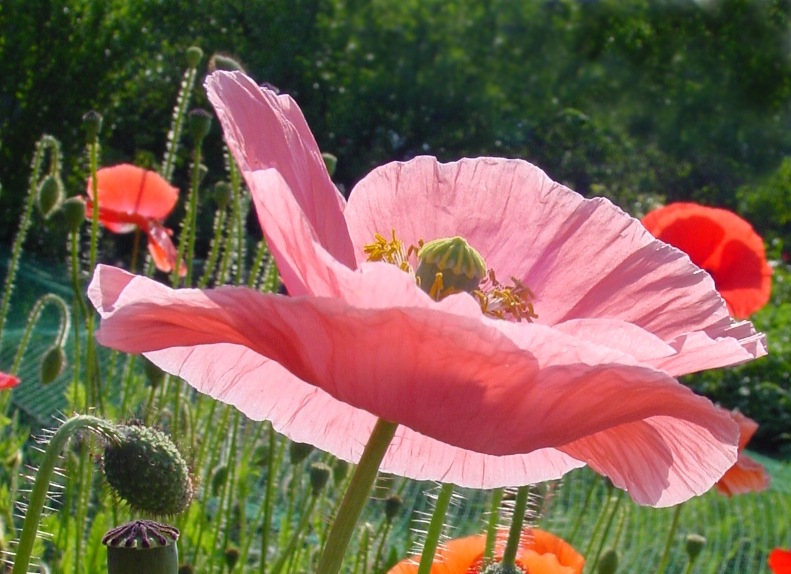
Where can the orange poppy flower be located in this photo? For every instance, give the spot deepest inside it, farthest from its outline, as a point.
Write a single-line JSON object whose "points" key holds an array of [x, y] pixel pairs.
{"points": [[723, 244], [539, 553], [132, 198], [746, 475], [7, 381]]}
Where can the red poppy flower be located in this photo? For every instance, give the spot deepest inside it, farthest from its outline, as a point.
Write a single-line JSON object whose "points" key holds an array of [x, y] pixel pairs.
{"points": [[539, 553], [723, 244], [780, 561], [746, 475], [483, 395], [132, 198], [7, 381]]}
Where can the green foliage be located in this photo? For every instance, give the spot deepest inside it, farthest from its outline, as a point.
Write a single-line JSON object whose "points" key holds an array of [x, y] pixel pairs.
{"points": [[761, 389]]}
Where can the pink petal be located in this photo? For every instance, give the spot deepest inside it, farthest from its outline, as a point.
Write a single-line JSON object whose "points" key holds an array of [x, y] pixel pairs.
{"points": [[581, 258], [472, 384], [268, 132]]}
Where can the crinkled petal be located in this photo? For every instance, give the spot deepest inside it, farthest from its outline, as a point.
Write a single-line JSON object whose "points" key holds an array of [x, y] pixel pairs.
{"points": [[162, 250], [581, 258], [129, 189], [265, 132], [422, 368]]}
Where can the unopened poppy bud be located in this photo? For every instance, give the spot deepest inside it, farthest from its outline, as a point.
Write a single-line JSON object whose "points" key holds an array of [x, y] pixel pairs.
{"points": [[231, 556], [194, 56], [223, 192], [50, 195], [74, 213], [199, 124], [223, 62], [340, 468], [694, 545], [393, 505], [186, 569], [608, 562], [154, 375], [92, 121], [52, 364], [218, 478], [330, 162], [319, 475], [142, 546], [146, 470], [299, 451], [449, 265]]}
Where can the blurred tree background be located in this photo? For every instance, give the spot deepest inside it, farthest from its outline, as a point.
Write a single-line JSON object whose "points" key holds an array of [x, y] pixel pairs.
{"points": [[637, 100], [627, 98]]}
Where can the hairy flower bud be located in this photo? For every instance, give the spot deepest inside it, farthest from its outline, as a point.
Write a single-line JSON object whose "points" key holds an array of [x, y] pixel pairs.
{"points": [[52, 364], [146, 470], [319, 476], [50, 195], [299, 451], [608, 562], [194, 56], [74, 213], [92, 121], [330, 162]]}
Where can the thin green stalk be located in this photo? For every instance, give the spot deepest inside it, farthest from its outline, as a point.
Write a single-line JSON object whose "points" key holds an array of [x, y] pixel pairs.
{"points": [[214, 249], [226, 494], [44, 144], [435, 529], [38, 495], [188, 232], [382, 540], [261, 253], [613, 514], [296, 536], [663, 562], [582, 512], [64, 324], [599, 521], [355, 497], [269, 495], [177, 123], [491, 525], [508, 562]]}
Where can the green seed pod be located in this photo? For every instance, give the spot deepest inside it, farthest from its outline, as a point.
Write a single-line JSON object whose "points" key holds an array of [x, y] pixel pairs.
{"points": [[52, 364], [608, 562], [694, 545], [231, 556], [393, 504], [186, 569], [299, 451], [199, 124], [92, 121], [50, 195], [497, 568], [194, 56], [459, 265], [142, 546], [330, 162], [74, 213], [146, 470], [319, 475]]}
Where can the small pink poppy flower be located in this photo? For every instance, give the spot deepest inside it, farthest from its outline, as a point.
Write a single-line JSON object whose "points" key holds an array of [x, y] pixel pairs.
{"points": [[746, 475], [131, 197], [723, 244], [7, 381], [485, 393]]}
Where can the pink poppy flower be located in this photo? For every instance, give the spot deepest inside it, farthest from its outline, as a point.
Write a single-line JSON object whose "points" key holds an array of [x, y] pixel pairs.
{"points": [[482, 399], [132, 198], [723, 244], [746, 475], [7, 381]]}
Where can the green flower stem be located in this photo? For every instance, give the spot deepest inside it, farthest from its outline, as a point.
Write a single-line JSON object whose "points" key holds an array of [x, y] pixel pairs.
{"points": [[613, 514], [177, 123], [582, 512], [296, 536], [515, 533], [38, 495], [214, 250], [44, 144], [491, 525], [663, 562], [435, 529], [355, 497], [269, 497], [261, 253]]}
